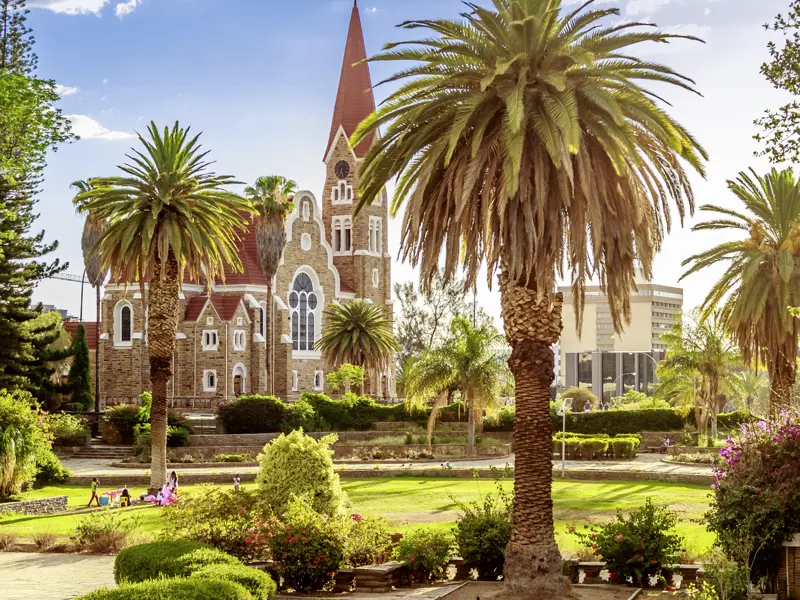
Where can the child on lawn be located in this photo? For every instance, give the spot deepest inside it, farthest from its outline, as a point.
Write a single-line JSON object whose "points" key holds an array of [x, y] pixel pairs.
{"points": [[94, 497]]}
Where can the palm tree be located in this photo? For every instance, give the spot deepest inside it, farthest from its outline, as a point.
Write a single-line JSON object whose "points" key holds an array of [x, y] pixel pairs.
{"points": [[700, 350], [358, 333], [167, 215], [470, 361], [751, 388], [272, 198], [763, 276], [93, 230], [522, 135]]}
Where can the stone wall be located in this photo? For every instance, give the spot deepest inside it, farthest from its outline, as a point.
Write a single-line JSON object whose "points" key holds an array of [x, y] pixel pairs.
{"points": [[43, 506]]}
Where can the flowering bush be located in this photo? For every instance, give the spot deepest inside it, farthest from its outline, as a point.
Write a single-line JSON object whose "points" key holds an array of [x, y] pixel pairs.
{"points": [[637, 545], [368, 541], [219, 517], [426, 552], [756, 502], [307, 546]]}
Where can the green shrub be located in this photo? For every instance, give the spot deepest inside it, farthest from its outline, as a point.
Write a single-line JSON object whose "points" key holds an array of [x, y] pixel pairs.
{"points": [[615, 422], [579, 397], [219, 517], [307, 546], [301, 415], [735, 419], [124, 418], [22, 441], [105, 531], [167, 558], [483, 531], [637, 545], [254, 414], [624, 447], [426, 552], [199, 588], [502, 421], [177, 437], [258, 583], [632, 397], [68, 430], [295, 465], [232, 458], [368, 541], [49, 469]]}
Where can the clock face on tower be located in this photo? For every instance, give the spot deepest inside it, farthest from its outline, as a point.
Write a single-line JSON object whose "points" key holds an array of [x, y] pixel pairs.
{"points": [[342, 169]]}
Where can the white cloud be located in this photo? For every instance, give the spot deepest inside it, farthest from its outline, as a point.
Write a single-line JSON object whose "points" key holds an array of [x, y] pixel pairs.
{"points": [[707, 11], [104, 98], [638, 7], [89, 129], [63, 90], [105, 81], [125, 8], [70, 7]]}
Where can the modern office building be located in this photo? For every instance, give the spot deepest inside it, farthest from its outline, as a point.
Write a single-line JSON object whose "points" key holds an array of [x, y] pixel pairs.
{"points": [[608, 362]]}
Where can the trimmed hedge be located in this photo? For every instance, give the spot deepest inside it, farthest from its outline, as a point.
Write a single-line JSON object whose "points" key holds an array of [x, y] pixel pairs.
{"points": [[171, 558], [254, 414], [735, 419], [598, 447], [194, 588], [258, 583]]}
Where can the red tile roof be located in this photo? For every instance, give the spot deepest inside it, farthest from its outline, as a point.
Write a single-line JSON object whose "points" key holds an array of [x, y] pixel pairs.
{"points": [[71, 327], [225, 305], [355, 100]]}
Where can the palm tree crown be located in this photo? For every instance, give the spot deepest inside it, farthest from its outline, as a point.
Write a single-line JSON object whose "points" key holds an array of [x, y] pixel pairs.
{"points": [[272, 200], [93, 230], [762, 279], [358, 333], [167, 203], [526, 130]]}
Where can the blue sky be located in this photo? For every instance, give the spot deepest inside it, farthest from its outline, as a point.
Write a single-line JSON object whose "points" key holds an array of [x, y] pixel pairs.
{"points": [[259, 78]]}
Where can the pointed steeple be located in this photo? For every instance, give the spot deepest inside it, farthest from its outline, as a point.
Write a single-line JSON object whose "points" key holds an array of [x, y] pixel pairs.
{"points": [[354, 101]]}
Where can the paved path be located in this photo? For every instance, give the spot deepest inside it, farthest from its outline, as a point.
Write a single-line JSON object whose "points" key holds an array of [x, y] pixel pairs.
{"points": [[643, 464], [62, 576], [52, 576]]}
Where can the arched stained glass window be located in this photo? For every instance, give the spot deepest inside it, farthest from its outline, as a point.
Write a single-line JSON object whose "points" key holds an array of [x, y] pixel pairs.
{"points": [[303, 303], [125, 324]]}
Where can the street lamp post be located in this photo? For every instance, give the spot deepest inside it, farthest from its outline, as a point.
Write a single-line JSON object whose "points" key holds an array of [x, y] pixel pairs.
{"points": [[566, 404]]}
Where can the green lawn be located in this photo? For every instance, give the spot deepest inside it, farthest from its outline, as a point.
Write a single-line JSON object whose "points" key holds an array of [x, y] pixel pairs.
{"points": [[411, 502]]}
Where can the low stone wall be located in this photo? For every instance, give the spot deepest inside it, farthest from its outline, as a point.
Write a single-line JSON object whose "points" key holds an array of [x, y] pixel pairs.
{"points": [[443, 450], [675, 450], [43, 506], [403, 426], [656, 438], [344, 437]]}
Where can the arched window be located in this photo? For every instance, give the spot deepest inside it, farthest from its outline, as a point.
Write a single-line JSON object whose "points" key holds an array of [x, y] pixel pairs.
{"points": [[123, 323], [303, 303], [263, 320]]}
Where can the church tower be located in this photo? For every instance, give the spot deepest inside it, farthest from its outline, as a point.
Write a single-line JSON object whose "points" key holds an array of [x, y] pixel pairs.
{"points": [[360, 244]]}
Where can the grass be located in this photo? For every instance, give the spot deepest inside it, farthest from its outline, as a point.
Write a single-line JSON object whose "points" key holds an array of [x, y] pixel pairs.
{"points": [[412, 502]]}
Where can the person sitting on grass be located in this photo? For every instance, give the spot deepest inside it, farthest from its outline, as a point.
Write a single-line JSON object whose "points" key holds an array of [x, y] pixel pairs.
{"points": [[94, 497]]}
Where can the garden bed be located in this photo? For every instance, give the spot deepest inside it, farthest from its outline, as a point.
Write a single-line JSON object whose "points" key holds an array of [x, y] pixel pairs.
{"points": [[486, 590]]}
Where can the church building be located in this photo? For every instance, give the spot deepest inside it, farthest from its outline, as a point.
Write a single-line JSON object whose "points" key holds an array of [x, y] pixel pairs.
{"points": [[330, 256]]}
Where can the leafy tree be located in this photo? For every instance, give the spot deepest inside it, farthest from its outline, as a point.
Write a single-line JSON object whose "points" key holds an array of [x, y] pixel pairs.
{"points": [[471, 362], [781, 128], [762, 278], [50, 347], [345, 377], [93, 230], [21, 437], [168, 215], [702, 350], [79, 378], [580, 396], [358, 333], [751, 389], [521, 138], [272, 199]]}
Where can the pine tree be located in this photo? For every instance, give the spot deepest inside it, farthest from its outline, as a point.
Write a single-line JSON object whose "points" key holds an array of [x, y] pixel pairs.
{"points": [[30, 125], [51, 346], [79, 378]]}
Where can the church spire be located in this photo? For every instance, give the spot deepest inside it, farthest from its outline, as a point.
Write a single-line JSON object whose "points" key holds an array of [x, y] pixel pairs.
{"points": [[354, 101]]}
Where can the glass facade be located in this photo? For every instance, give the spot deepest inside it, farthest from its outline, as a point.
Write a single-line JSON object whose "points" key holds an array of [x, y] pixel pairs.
{"points": [[629, 370], [609, 362], [585, 370]]}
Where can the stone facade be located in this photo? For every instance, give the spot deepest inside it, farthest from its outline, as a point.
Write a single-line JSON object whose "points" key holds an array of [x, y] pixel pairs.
{"points": [[315, 271], [43, 506]]}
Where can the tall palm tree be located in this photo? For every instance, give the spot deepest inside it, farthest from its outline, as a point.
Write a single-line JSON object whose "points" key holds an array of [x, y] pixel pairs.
{"points": [[358, 333], [167, 215], [763, 276], [702, 350], [272, 198], [471, 361], [522, 134], [93, 230]]}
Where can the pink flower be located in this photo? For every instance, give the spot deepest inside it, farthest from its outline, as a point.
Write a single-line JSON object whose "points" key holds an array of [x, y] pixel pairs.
{"points": [[411, 559], [594, 536], [619, 538]]}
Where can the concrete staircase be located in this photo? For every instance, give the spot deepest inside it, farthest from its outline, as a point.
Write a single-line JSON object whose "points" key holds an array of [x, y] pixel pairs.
{"points": [[96, 451]]}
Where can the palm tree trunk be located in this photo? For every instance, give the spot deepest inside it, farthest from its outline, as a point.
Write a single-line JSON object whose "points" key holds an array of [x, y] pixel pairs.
{"points": [[533, 563], [471, 425], [440, 401], [97, 353], [783, 376], [268, 332], [164, 312]]}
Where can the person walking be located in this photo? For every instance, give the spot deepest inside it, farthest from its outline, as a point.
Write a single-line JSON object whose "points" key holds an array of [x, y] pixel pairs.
{"points": [[236, 482], [94, 497]]}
